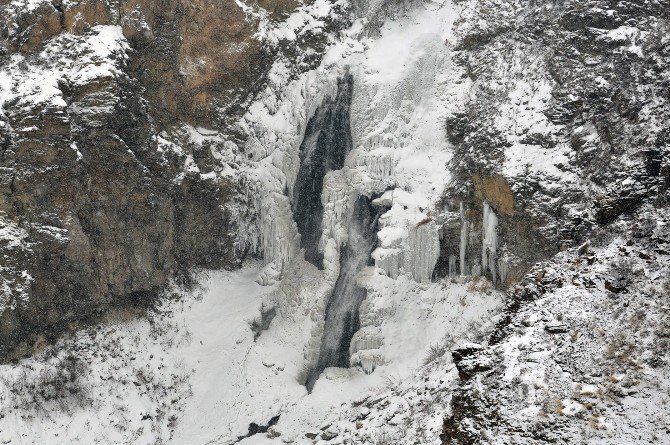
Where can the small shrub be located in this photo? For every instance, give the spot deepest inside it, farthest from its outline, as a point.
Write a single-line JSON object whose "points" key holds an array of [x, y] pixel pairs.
{"points": [[58, 384], [435, 352]]}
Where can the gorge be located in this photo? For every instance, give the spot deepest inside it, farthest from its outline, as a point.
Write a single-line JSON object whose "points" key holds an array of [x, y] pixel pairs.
{"points": [[334, 222]]}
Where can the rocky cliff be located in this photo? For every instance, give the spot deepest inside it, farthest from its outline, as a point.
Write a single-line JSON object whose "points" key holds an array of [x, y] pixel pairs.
{"points": [[118, 145]]}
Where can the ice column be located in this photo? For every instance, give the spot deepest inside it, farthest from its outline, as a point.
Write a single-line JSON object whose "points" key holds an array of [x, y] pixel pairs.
{"points": [[423, 252], [464, 240], [379, 162], [278, 233], [489, 241]]}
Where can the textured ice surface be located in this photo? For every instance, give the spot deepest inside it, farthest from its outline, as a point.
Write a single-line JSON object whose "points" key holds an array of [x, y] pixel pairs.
{"points": [[342, 318], [325, 145]]}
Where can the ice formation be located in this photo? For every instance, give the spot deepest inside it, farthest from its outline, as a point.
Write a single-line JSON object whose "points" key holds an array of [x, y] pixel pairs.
{"points": [[489, 242], [337, 199], [278, 234], [378, 163], [409, 238], [464, 240], [324, 148], [423, 250], [342, 319]]}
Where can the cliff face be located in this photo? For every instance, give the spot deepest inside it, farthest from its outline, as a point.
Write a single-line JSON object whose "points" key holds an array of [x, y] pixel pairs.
{"points": [[110, 183], [582, 351], [566, 138], [566, 126]]}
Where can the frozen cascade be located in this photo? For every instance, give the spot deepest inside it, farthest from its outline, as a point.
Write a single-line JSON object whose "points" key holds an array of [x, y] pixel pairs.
{"points": [[389, 260], [337, 198], [379, 163], [489, 242], [409, 239], [324, 148], [343, 305], [364, 348]]}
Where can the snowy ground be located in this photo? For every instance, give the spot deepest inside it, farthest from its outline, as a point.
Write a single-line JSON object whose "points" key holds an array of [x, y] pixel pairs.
{"points": [[191, 373]]}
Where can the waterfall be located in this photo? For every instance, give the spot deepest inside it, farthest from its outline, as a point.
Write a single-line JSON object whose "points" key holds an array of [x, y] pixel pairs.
{"points": [[342, 310], [324, 148]]}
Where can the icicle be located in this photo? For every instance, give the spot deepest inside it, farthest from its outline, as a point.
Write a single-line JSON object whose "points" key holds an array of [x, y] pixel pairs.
{"points": [[378, 162], [452, 265], [464, 240], [503, 269], [368, 360], [365, 339], [423, 251], [489, 241], [388, 260], [279, 238]]}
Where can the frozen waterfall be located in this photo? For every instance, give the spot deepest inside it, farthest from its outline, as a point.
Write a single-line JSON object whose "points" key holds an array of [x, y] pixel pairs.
{"points": [[342, 320], [324, 148]]}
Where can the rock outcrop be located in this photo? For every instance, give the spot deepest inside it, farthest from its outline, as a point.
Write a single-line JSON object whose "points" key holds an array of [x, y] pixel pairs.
{"points": [[550, 137]]}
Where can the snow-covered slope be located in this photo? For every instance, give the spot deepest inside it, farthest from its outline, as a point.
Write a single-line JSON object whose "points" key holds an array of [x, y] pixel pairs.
{"points": [[193, 370], [582, 354]]}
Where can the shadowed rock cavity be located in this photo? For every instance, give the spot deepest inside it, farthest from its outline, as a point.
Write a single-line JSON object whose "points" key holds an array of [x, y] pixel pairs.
{"points": [[258, 326], [255, 428], [342, 320], [325, 146]]}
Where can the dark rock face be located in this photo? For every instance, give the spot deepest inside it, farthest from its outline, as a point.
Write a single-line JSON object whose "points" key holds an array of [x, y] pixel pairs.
{"points": [[325, 146], [103, 217], [471, 358]]}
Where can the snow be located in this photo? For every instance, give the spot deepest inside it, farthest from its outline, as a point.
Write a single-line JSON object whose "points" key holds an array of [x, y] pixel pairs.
{"points": [[27, 5], [195, 360], [96, 55]]}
